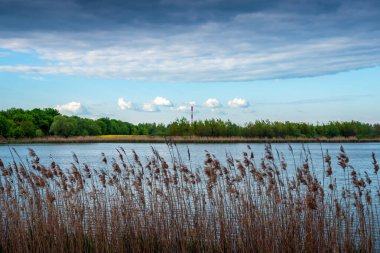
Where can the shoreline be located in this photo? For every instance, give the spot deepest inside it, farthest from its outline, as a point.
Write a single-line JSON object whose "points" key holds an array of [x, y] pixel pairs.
{"points": [[181, 139]]}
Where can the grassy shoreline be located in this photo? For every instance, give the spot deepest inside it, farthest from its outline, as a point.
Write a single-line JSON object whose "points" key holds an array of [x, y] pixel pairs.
{"points": [[180, 139]]}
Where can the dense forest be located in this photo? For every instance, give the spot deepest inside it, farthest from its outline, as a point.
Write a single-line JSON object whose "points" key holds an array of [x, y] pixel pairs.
{"points": [[19, 123]]}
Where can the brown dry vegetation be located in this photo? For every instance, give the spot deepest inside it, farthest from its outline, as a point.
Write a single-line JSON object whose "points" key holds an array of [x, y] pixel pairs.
{"points": [[131, 205], [182, 139]]}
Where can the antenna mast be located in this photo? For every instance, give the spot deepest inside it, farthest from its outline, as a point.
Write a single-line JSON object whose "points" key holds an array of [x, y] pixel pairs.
{"points": [[192, 114]]}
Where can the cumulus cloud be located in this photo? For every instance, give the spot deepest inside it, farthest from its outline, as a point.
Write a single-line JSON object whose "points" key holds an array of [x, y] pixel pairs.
{"points": [[238, 103], [149, 107], [161, 101], [212, 103], [71, 107], [124, 104]]}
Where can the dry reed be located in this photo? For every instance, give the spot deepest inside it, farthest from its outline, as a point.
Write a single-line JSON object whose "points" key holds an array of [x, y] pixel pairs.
{"points": [[131, 205], [183, 139]]}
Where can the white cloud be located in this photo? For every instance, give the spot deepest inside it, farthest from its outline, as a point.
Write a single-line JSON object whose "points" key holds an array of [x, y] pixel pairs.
{"points": [[161, 101], [72, 107], [124, 104], [182, 108], [149, 107], [212, 103], [186, 107], [238, 103]]}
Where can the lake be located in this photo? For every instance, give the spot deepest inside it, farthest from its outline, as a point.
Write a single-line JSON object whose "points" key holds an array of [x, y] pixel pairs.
{"points": [[90, 153]]}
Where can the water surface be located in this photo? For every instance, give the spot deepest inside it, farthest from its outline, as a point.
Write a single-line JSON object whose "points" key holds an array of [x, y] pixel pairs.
{"points": [[90, 153]]}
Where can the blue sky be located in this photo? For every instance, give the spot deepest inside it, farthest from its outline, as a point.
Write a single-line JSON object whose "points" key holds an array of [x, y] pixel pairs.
{"points": [[149, 61]]}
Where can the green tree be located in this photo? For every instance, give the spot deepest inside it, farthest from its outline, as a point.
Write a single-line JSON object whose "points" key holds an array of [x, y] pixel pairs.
{"points": [[5, 126], [63, 126], [28, 128]]}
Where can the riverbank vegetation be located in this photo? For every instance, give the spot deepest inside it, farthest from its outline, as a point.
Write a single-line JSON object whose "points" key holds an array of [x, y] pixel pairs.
{"points": [[129, 204], [180, 139], [19, 123]]}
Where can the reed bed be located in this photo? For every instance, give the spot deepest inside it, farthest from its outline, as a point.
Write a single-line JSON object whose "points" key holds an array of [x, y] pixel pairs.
{"points": [[129, 204], [182, 139]]}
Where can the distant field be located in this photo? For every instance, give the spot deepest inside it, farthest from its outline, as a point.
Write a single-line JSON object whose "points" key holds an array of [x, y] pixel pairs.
{"points": [[178, 139], [115, 136]]}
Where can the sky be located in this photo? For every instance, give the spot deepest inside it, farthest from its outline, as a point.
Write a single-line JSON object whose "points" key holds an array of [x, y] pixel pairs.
{"points": [[150, 61]]}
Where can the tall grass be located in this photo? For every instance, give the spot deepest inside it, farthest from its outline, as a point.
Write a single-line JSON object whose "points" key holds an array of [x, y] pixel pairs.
{"points": [[183, 139], [130, 204]]}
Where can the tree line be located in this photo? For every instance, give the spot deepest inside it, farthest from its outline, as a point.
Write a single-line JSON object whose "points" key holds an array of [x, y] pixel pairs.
{"points": [[19, 123]]}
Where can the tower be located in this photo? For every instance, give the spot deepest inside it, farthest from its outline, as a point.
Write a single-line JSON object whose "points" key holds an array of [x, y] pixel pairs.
{"points": [[192, 114]]}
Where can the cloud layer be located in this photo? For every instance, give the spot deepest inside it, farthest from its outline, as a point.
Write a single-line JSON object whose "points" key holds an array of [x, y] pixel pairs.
{"points": [[202, 40]]}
